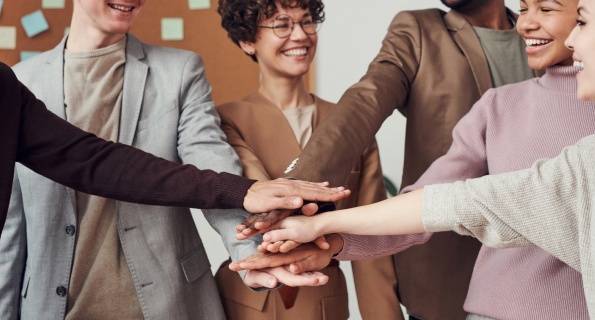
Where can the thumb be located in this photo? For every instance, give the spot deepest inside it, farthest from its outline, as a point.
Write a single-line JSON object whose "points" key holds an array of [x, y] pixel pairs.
{"points": [[322, 243], [255, 279], [277, 235]]}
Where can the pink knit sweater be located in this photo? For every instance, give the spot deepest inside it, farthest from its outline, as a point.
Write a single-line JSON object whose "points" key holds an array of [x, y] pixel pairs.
{"points": [[508, 129]]}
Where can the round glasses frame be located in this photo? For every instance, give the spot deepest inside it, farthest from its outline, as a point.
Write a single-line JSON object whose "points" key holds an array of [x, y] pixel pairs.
{"points": [[283, 26]]}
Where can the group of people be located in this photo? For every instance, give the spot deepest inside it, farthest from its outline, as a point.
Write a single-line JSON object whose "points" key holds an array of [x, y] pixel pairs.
{"points": [[65, 253]]}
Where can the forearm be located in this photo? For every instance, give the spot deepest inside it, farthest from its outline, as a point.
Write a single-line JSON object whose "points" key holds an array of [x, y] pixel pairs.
{"points": [[65, 154], [398, 215]]}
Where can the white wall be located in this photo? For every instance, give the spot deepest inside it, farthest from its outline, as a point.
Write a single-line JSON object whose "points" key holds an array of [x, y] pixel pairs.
{"points": [[349, 39]]}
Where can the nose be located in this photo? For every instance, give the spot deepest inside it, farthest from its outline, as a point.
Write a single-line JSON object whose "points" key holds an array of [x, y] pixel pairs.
{"points": [[569, 43], [527, 22], [297, 33]]}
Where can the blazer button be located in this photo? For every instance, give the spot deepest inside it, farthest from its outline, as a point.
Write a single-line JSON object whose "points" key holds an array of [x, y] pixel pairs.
{"points": [[61, 291], [70, 230]]}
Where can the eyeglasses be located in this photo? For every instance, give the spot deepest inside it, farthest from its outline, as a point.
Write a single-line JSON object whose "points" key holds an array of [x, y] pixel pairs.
{"points": [[283, 26]]}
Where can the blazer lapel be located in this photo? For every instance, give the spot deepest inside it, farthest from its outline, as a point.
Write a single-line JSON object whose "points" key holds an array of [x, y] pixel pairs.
{"points": [[53, 80], [53, 92], [274, 136], [465, 37], [135, 77]]}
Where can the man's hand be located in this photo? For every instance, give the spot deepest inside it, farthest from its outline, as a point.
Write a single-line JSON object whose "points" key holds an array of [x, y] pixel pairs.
{"points": [[269, 277], [266, 196], [307, 257]]}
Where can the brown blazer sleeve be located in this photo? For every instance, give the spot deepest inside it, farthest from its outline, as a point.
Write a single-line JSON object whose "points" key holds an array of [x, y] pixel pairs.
{"points": [[336, 145], [58, 150]]}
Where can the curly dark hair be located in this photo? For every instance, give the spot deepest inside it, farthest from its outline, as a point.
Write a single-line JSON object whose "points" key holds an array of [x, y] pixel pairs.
{"points": [[240, 18]]}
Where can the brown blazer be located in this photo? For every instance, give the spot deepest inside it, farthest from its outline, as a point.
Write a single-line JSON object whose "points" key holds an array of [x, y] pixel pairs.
{"points": [[52, 147], [265, 142], [432, 69]]}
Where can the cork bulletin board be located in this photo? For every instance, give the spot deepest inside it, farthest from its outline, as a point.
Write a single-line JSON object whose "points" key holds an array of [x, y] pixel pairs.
{"points": [[232, 74]]}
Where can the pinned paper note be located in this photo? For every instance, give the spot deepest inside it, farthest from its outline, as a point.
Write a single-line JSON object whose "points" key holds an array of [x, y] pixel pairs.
{"points": [[28, 54], [52, 4], [172, 29], [8, 37], [199, 4], [34, 23]]}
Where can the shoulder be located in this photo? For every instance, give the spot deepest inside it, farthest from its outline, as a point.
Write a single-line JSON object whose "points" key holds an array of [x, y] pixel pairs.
{"points": [[421, 17], [231, 111], [7, 77], [510, 93], [165, 59], [25, 70]]}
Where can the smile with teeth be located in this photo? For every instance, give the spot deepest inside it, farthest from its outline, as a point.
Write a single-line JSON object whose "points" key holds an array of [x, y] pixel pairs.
{"points": [[120, 7], [296, 52], [536, 42]]}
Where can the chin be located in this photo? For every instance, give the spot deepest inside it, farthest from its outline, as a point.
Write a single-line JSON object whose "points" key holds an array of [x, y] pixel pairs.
{"points": [[586, 95]]}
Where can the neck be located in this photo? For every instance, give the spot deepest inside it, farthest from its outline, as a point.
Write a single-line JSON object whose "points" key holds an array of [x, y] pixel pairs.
{"points": [[286, 93], [83, 37], [490, 14]]}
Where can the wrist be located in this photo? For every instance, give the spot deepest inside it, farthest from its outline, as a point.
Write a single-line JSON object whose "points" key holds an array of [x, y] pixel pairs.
{"points": [[336, 243]]}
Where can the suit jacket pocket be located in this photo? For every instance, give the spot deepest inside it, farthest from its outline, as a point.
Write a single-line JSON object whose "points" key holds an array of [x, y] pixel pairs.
{"points": [[195, 263], [157, 115]]}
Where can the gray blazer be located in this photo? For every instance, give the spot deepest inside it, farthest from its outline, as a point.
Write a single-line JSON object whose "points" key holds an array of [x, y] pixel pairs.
{"points": [[166, 110]]}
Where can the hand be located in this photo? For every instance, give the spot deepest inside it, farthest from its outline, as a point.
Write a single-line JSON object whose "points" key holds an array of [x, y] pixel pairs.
{"points": [[307, 257], [265, 196], [260, 223], [301, 229], [269, 277], [286, 246]]}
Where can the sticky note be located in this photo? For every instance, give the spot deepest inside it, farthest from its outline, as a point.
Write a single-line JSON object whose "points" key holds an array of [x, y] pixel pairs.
{"points": [[34, 23], [172, 29], [52, 4], [28, 54], [8, 37], [199, 4]]}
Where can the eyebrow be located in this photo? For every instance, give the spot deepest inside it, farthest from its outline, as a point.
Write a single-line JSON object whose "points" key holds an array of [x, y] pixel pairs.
{"points": [[541, 1], [582, 10]]}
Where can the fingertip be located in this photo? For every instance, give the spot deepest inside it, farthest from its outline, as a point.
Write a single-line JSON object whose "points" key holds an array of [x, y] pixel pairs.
{"points": [[294, 268], [271, 282], [296, 202], [234, 266]]}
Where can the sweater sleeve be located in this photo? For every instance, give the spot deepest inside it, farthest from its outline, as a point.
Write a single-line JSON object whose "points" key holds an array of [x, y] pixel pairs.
{"points": [[549, 205], [53, 148]]}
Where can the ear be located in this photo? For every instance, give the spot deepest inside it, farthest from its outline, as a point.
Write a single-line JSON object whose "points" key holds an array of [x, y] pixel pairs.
{"points": [[248, 47]]}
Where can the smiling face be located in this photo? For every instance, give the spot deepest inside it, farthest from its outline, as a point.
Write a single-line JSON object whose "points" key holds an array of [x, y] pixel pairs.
{"points": [[288, 57], [582, 40], [105, 18], [545, 25]]}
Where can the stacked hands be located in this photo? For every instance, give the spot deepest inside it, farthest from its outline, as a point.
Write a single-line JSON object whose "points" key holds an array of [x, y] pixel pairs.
{"points": [[292, 247]]}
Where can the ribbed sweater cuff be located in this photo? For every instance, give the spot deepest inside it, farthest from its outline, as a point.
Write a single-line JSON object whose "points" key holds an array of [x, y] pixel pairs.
{"points": [[439, 204], [233, 189]]}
